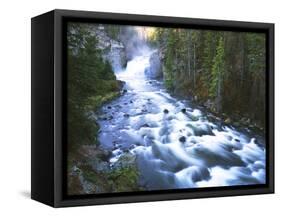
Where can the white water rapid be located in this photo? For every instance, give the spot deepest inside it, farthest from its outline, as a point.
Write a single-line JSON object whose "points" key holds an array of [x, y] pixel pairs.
{"points": [[176, 144]]}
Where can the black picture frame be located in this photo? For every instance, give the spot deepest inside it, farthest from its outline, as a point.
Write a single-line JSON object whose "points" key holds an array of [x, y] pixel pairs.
{"points": [[49, 100]]}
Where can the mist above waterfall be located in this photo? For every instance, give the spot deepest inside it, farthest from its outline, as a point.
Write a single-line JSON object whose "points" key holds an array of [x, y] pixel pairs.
{"points": [[135, 41]]}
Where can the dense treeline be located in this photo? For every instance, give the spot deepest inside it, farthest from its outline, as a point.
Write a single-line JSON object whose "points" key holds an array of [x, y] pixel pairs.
{"points": [[91, 82], [223, 70]]}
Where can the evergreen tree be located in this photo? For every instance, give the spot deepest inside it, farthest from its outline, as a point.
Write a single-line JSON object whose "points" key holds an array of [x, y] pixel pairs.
{"points": [[218, 70], [170, 60]]}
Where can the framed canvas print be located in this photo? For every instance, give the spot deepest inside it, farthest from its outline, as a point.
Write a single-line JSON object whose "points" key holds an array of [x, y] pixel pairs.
{"points": [[130, 108]]}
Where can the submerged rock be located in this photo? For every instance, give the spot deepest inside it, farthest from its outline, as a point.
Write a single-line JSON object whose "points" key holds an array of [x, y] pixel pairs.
{"points": [[237, 140], [145, 125], [183, 110], [182, 139], [200, 130], [126, 115]]}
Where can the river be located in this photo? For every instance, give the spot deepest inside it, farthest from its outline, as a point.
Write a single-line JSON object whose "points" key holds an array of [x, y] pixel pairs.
{"points": [[175, 143]]}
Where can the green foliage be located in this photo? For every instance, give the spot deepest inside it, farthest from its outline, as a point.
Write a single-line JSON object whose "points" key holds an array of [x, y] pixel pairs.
{"points": [[207, 58], [95, 178], [113, 31], [91, 82], [217, 70], [121, 178], [169, 60], [256, 53], [124, 175], [124, 179], [97, 101]]}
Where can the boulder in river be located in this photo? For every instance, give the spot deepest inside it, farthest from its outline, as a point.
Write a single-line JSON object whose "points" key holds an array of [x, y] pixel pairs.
{"points": [[182, 139], [145, 125], [126, 115], [183, 110]]}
